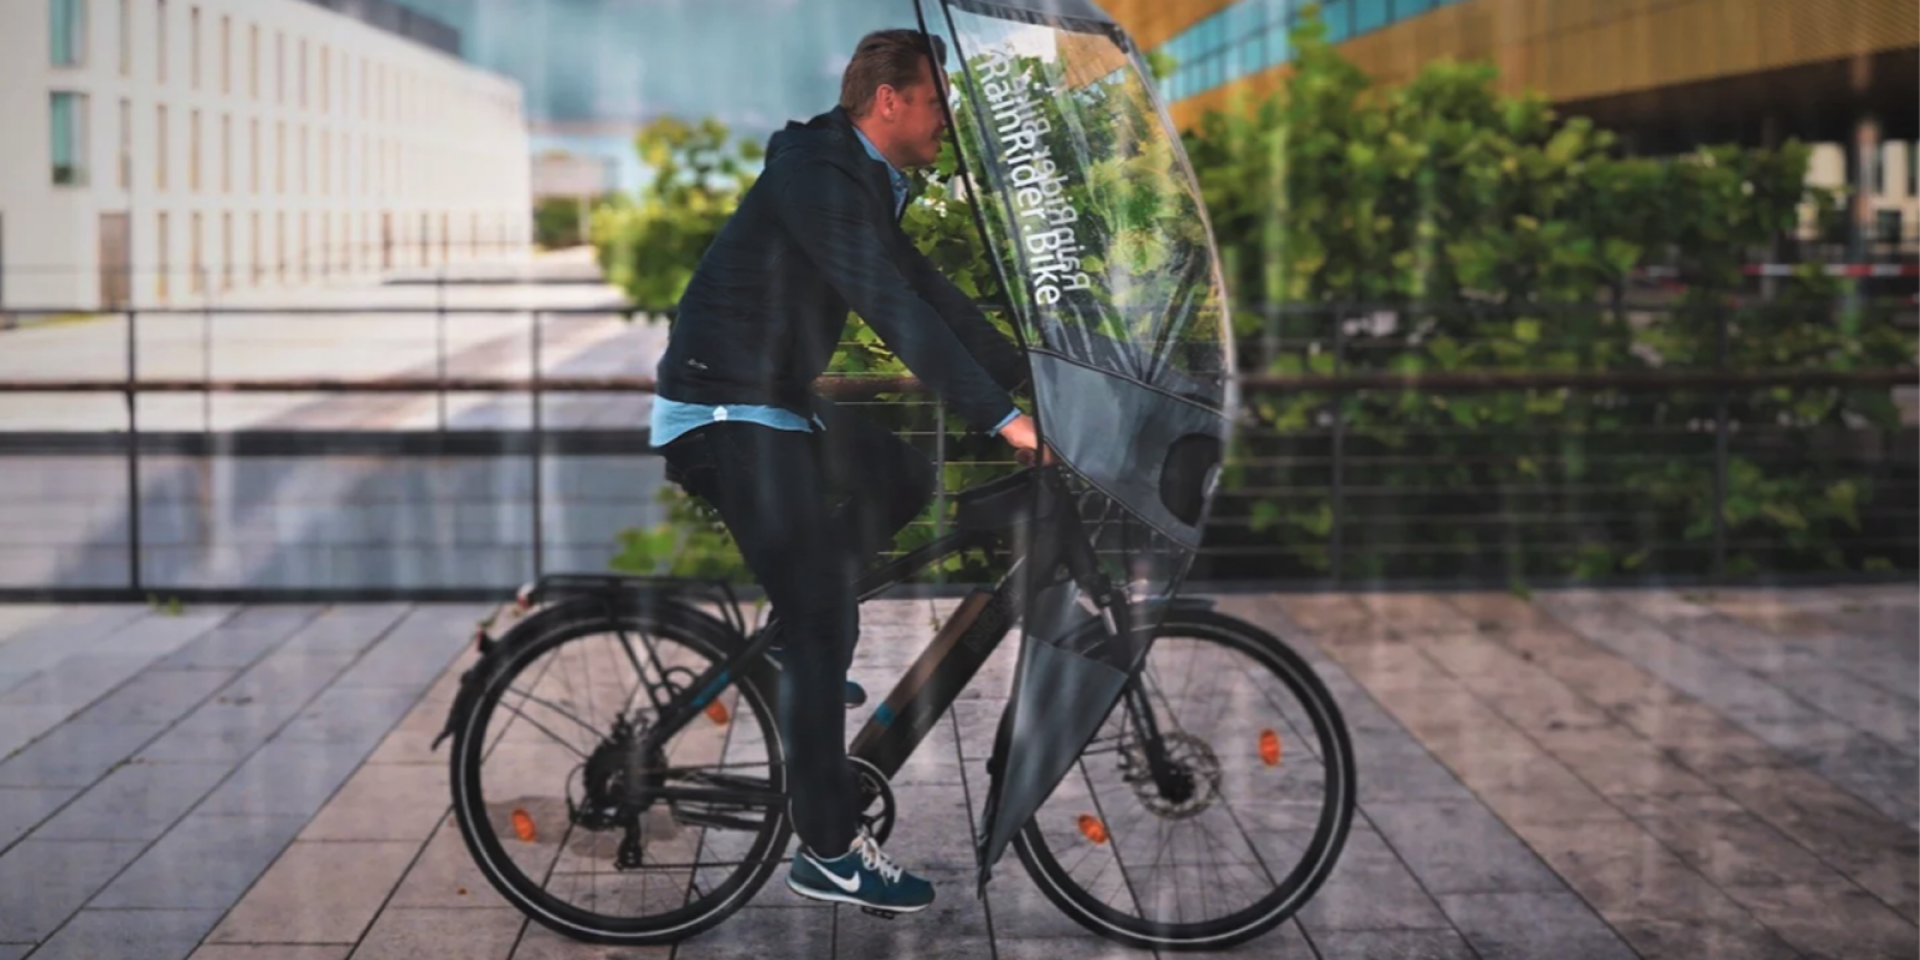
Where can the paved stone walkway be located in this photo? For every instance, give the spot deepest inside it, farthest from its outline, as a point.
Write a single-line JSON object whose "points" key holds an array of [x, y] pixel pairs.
{"points": [[1584, 777]]}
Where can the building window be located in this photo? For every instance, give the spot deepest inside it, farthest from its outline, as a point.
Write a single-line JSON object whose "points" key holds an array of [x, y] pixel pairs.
{"points": [[1369, 15], [69, 32], [280, 157], [126, 38], [193, 151], [253, 61], [253, 153], [126, 144], [302, 75], [193, 47], [1913, 168], [160, 147], [196, 266], [1339, 17], [160, 40], [160, 259], [226, 54], [69, 115], [254, 243], [280, 68], [226, 251], [326, 79], [226, 153], [304, 150]]}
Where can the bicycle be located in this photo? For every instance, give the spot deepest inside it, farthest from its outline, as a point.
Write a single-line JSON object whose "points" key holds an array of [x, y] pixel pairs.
{"points": [[689, 766]]}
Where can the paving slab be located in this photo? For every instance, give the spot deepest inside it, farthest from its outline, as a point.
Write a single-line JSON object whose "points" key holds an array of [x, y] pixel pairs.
{"points": [[147, 934], [1460, 847], [47, 881], [271, 951], [1388, 945], [23, 808], [318, 892], [287, 777], [76, 755], [384, 802], [156, 696], [206, 862], [137, 801], [411, 933], [1530, 925]]}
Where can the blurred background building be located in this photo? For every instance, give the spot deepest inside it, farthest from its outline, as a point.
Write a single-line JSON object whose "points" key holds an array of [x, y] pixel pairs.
{"points": [[162, 149], [1667, 75]]}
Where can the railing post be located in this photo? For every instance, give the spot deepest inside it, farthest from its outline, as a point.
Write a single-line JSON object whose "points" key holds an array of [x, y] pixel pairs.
{"points": [[1336, 545], [939, 478], [539, 436], [133, 452], [440, 345], [206, 354], [1720, 427]]}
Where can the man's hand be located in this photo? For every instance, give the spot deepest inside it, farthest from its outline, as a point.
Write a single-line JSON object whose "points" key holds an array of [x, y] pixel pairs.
{"points": [[1024, 437]]}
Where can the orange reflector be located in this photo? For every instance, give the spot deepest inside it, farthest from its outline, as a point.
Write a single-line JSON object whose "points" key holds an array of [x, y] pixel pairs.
{"points": [[523, 825], [717, 712], [1092, 828], [1270, 748]]}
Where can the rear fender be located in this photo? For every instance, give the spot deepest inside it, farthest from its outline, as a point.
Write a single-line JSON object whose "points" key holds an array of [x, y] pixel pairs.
{"points": [[664, 604]]}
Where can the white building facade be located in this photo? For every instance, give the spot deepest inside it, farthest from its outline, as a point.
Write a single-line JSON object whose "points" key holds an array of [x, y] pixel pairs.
{"points": [[159, 152]]}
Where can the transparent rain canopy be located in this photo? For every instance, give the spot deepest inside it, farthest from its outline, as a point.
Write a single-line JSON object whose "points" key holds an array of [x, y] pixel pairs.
{"points": [[1092, 210]]}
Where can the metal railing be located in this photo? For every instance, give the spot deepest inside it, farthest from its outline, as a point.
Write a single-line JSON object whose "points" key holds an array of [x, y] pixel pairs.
{"points": [[1332, 448]]}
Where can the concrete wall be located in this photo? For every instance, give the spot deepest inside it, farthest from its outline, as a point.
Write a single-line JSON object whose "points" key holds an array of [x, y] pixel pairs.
{"points": [[313, 129]]}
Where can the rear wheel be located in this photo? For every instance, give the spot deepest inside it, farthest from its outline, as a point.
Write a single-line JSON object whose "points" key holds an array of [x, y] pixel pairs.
{"points": [[540, 765], [1247, 818]]}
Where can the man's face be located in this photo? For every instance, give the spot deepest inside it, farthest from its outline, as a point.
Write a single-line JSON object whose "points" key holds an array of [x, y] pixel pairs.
{"points": [[916, 118]]}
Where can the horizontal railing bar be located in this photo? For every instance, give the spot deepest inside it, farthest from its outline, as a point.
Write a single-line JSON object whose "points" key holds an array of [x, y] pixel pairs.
{"points": [[840, 385], [321, 443]]}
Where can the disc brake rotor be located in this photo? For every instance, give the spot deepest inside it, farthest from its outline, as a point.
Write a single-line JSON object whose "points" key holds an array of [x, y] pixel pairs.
{"points": [[1194, 782]]}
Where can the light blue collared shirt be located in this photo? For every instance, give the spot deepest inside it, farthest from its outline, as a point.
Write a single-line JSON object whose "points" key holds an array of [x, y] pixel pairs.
{"points": [[673, 418]]}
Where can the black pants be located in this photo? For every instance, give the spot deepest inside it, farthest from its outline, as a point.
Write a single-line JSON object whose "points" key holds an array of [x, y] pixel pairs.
{"points": [[808, 511]]}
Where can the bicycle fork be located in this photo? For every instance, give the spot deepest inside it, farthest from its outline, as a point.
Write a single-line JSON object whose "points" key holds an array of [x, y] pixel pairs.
{"points": [[1166, 777]]}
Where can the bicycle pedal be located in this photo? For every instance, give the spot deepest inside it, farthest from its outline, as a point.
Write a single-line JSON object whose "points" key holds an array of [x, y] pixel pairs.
{"points": [[882, 914]]}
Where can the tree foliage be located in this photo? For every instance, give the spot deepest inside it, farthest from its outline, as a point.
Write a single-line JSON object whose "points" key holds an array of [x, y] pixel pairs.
{"points": [[1442, 226]]}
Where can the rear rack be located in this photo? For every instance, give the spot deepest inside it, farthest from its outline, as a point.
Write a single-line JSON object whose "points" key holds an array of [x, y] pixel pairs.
{"points": [[555, 587]]}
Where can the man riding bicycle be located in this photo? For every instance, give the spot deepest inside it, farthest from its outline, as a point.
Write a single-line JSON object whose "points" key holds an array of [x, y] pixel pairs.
{"points": [[811, 491]]}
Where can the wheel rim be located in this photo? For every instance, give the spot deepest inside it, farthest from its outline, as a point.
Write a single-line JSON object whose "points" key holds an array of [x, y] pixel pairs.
{"points": [[524, 796], [1248, 840]]}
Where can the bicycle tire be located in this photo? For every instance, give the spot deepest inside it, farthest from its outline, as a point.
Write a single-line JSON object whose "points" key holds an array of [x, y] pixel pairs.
{"points": [[704, 635], [1321, 854]]}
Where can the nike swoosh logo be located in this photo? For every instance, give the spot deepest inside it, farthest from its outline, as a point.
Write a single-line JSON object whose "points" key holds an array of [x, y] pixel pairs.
{"points": [[849, 884]]}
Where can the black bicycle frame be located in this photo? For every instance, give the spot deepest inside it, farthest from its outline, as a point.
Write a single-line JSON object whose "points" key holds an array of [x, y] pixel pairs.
{"points": [[922, 695]]}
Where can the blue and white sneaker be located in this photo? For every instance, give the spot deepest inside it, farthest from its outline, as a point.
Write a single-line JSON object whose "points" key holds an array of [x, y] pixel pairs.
{"points": [[863, 876]]}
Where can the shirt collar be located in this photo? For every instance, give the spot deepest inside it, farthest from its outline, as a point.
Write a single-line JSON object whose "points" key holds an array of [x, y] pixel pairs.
{"points": [[898, 179]]}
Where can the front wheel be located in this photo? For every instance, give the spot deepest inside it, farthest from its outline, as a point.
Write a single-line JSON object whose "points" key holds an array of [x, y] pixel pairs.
{"points": [[1244, 818]]}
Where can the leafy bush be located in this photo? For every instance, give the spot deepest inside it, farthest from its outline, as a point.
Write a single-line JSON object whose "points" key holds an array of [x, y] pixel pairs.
{"points": [[1440, 226], [557, 222]]}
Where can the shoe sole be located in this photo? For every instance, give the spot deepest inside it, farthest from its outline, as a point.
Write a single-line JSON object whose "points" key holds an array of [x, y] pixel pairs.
{"points": [[830, 897]]}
